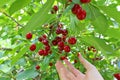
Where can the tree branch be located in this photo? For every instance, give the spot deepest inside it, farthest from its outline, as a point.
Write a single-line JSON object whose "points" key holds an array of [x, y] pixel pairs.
{"points": [[12, 19], [9, 49]]}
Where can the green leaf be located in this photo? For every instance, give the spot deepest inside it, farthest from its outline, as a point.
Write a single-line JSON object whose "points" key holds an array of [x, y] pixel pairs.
{"points": [[27, 74], [111, 11], [3, 2], [19, 55], [4, 68], [112, 32], [17, 5], [4, 78], [100, 44], [98, 20], [40, 17]]}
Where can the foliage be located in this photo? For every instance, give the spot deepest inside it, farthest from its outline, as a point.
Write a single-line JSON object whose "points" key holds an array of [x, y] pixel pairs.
{"points": [[100, 29]]}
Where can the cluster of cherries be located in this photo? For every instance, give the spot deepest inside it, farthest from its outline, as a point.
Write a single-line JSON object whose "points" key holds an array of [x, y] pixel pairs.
{"points": [[78, 11], [61, 41]]}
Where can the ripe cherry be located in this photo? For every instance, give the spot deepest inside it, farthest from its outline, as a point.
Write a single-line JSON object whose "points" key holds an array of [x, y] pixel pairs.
{"points": [[81, 15], [54, 42], [50, 64], [61, 44], [60, 48], [55, 7], [29, 35], [75, 61], [117, 76], [58, 39], [41, 52], [76, 8], [32, 47], [72, 40], [37, 67], [58, 30], [45, 53], [63, 58], [67, 48], [47, 48], [64, 32], [44, 36], [40, 39], [85, 1], [45, 42]]}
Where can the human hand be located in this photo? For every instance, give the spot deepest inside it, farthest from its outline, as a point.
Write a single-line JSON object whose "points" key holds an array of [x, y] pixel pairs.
{"points": [[71, 73]]}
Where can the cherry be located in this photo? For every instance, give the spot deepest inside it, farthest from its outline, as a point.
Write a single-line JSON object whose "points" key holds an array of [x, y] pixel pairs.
{"points": [[63, 58], [45, 53], [72, 40], [61, 48], [64, 38], [29, 35], [117, 76], [50, 64], [47, 48], [67, 48], [45, 42], [54, 42], [55, 7], [32, 47], [85, 1], [58, 39], [44, 36], [41, 52], [64, 32], [61, 44], [58, 30], [75, 61], [70, 0], [89, 48], [40, 39], [37, 67], [81, 15], [76, 8]]}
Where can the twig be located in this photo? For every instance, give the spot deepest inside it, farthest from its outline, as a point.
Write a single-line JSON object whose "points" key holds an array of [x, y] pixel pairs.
{"points": [[12, 19], [6, 49]]}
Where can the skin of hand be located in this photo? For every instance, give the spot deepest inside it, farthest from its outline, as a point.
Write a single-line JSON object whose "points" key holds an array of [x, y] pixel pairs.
{"points": [[71, 73]]}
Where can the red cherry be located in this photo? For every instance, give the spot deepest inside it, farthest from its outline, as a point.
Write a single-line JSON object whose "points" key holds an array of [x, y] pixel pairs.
{"points": [[58, 30], [58, 39], [44, 36], [37, 67], [28, 35], [50, 64], [54, 42], [45, 53], [72, 40], [67, 48], [85, 1], [81, 15], [64, 38], [41, 52], [76, 8], [89, 48], [75, 61], [45, 42], [117, 76], [63, 58], [47, 48], [61, 44], [64, 32], [61, 48], [40, 39], [55, 7], [32, 47]]}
